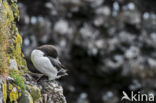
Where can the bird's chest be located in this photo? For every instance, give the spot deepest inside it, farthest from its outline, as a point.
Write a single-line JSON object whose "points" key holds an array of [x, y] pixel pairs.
{"points": [[43, 64], [37, 61]]}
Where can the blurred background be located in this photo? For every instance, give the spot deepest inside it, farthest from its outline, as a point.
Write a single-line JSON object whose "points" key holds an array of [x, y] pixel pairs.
{"points": [[108, 46]]}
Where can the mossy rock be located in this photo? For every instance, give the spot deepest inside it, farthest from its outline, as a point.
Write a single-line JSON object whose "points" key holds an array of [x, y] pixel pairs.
{"points": [[26, 98], [34, 91]]}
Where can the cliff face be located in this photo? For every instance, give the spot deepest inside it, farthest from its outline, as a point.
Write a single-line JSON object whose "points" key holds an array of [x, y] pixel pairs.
{"points": [[11, 57], [10, 39], [16, 83]]}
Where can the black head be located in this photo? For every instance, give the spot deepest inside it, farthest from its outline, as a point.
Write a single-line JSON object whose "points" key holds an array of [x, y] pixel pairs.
{"points": [[49, 50]]}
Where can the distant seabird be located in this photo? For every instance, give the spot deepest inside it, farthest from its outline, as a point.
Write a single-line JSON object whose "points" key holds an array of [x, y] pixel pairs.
{"points": [[45, 59]]}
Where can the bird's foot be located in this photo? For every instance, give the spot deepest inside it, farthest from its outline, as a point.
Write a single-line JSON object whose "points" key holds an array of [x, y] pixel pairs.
{"points": [[39, 76], [59, 76], [62, 70], [35, 74], [47, 80]]}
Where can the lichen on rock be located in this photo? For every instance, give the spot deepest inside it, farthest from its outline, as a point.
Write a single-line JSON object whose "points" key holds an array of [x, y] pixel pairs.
{"points": [[52, 92], [34, 91], [26, 98], [4, 89], [11, 56], [13, 95]]}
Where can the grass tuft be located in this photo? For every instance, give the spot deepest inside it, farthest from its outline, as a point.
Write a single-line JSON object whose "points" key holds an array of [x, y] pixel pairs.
{"points": [[18, 79]]}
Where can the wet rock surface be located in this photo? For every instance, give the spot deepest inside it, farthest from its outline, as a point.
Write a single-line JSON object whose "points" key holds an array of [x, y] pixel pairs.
{"points": [[108, 46]]}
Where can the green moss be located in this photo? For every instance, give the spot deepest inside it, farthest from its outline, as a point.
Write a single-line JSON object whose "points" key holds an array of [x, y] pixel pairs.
{"points": [[18, 79]]}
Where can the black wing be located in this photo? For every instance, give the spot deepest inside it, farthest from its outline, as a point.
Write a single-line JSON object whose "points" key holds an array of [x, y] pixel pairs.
{"points": [[59, 66], [56, 63]]}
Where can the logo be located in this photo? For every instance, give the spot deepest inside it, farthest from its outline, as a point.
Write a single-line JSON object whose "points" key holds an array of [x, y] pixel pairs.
{"points": [[138, 97]]}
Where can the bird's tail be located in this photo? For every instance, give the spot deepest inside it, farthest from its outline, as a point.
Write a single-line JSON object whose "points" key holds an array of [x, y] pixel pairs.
{"points": [[62, 72]]}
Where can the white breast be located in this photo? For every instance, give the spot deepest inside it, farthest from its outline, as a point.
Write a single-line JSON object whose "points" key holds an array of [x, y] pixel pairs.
{"points": [[43, 64]]}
